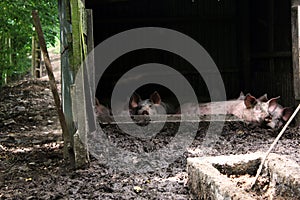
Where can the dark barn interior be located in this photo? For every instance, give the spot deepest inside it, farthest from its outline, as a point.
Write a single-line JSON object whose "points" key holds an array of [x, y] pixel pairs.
{"points": [[250, 42]]}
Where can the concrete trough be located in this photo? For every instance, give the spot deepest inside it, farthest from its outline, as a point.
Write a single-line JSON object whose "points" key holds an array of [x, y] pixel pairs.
{"points": [[230, 177]]}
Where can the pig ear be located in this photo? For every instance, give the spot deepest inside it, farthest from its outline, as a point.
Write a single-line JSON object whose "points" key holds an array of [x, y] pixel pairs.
{"points": [[273, 104], [250, 101], [242, 96], [263, 98], [97, 103], [286, 113], [155, 98], [134, 100]]}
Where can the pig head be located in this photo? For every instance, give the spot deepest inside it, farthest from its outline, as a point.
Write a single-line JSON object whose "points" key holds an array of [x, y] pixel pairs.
{"points": [[151, 106], [278, 114]]}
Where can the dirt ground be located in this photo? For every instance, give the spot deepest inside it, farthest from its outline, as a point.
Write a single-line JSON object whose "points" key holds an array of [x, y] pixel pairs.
{"points": [[32, 166]]}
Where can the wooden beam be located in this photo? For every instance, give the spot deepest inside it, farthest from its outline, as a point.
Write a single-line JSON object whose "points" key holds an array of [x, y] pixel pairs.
{"points": [[129, 20], [295, 55], [95, 3], [79, 32], [76, 36], [90, 48], [243, 19], [170, 118], [266, 55]]}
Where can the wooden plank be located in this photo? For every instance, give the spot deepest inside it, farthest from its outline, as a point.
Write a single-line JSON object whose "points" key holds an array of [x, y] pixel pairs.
{"points": [[271, 33], [244, 38], [80, 138], [79, 30], [295, 50], [33, 51], [66, 55], [90, 48], [66, 71], [131, 20], [83, 29], [77, 56], [90, 72], [96, 3], [266, 55], [176, 118], [295, 55], [183, 72]]}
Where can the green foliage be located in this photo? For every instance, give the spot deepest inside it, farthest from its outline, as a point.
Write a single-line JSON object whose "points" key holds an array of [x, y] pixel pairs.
{"points": [[16, 31]]}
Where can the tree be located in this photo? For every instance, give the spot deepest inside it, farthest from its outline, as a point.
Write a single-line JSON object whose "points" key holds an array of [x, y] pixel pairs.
{"points": [[16, 31]]}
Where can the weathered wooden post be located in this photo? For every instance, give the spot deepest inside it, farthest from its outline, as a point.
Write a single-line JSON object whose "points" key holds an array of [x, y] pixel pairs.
{"points": [[68, 150], [295, 11], [75, 75]]}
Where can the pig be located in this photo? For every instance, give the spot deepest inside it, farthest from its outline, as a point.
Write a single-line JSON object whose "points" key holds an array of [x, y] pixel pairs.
{"points": [[246, 107], [151, 106], [278, 114], [102, 113]]}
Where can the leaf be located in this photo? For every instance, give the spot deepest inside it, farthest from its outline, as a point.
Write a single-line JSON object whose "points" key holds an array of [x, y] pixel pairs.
{"points": [[137, 189], [28, 179]]}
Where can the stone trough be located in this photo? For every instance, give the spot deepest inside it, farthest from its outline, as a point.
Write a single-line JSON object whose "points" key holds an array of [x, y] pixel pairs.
{"points": [[230, 177]]}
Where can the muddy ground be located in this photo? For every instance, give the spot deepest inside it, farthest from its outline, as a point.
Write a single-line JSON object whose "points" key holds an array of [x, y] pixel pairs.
{"points": [[32, 166]]}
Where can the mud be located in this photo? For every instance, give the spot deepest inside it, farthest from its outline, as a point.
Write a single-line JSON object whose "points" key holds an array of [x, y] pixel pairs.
{"points": [[32, 165]]}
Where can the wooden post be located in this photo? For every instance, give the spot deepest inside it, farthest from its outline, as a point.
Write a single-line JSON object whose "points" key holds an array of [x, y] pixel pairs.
{"points": [[295, 53], [90, 62], [68, 151], [76, 99], [79, 51], [76, 36], [90, 48], [33, 57], [67, 75]]}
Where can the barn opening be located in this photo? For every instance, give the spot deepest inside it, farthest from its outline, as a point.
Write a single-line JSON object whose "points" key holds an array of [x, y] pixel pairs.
{"points": [[250, 42]]}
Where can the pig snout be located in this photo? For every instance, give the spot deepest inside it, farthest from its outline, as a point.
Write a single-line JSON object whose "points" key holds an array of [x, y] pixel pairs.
{"points": [[274, 124], [145, 112]]}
